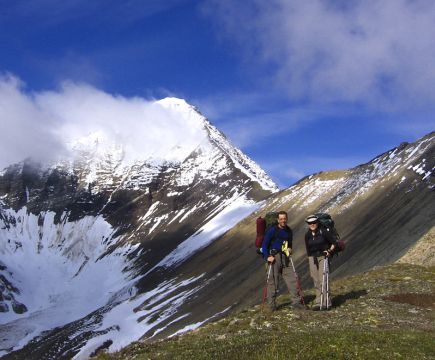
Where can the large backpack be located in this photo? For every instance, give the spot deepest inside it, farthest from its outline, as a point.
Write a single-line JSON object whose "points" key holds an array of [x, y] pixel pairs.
{"points": [[327, 224], [264, 224]]}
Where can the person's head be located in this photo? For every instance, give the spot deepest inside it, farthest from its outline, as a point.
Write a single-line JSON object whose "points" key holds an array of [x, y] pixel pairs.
{"points": [[282, 219], [313, 222]]}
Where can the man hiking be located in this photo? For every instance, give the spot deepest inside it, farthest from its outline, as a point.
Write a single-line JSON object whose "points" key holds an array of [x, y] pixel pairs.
{"points": [[320, 245], [277, 249]]}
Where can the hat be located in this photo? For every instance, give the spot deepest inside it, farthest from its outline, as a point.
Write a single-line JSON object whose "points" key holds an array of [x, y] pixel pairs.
{"points": [[311, 219]]}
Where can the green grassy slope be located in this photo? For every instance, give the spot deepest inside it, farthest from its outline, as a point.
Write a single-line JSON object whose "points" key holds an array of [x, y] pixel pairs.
{"points": [[386, 313]]}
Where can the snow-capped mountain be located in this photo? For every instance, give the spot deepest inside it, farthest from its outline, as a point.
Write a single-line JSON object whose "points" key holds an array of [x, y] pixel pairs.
{"points": [[86, 239]]}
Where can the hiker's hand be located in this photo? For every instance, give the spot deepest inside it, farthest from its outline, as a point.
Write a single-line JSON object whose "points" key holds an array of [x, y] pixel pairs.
{"points": [[271, 259], [290, 251], [327, 253]]}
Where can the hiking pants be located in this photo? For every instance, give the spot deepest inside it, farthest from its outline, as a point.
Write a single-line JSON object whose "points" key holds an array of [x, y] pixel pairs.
{"points": [[281, 268], [316, 272]]}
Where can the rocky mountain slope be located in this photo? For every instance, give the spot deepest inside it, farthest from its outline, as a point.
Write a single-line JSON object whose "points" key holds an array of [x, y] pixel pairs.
{"points": [[423, 252], [93, 232]]}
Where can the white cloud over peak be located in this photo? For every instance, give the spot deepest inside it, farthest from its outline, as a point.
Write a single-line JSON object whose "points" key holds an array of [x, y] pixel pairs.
{"points": [[378, 53], [44, 125], [24, 129]]}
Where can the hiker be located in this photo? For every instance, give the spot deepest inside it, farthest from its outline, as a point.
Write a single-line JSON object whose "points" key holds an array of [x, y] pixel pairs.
{"points": [[277, 249], [320, 246]]}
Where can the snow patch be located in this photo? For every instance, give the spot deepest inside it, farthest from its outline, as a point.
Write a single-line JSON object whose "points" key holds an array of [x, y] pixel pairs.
{"points": [[58, 271], [222, 222], [127, 322]]}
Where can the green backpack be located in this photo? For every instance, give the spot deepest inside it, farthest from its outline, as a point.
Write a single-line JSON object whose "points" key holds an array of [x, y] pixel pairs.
{"points": [[327, 224], [271, 219]]}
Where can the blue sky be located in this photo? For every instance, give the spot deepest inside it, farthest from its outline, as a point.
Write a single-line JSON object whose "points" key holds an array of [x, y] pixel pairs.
{"points": [[299, 86]]}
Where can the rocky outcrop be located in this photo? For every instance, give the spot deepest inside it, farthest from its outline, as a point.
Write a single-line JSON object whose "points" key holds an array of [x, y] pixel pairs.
{"points": [[7, 294]]}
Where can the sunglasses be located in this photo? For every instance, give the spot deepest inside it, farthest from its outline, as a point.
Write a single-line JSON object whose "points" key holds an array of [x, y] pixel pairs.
{"points": [[311, 223]]}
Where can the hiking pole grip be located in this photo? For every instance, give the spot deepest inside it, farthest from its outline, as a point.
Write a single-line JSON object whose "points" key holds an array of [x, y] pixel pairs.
{"points": [[293, 265]]}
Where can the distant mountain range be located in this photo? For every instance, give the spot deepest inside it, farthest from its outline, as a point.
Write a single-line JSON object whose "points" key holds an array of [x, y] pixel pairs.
{"points": [[107, 246]]}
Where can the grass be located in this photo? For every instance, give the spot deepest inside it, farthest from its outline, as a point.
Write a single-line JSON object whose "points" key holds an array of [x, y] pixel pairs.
{"points": [[387, 313]]}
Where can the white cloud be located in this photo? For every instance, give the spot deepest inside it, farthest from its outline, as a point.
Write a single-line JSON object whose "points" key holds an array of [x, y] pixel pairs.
{"points": [[41, 125], [24, 129], [379, 53]]}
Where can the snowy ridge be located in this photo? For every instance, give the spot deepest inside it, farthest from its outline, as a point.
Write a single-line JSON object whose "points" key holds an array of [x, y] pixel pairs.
{"points": [[344, 188], [105, 163], [229, 214], [240, 160]]}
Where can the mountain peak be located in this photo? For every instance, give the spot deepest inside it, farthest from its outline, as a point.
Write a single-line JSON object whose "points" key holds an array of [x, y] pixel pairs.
{"points": [[168, 131], [174, 102]]}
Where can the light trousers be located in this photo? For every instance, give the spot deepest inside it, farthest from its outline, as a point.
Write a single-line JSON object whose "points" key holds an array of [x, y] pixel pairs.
{"points": [[281, 269], [316, 271]]}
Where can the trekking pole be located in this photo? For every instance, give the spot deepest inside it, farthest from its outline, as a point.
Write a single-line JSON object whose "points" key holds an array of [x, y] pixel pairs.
{"points": [[323, 284], [272, 252], [327, 282], [265, 288], [298, 282]]}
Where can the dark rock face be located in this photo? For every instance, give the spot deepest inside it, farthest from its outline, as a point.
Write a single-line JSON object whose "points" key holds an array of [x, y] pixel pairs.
{"points": [[4, 307], [7, 291], [27, 184], [18, 307]]}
